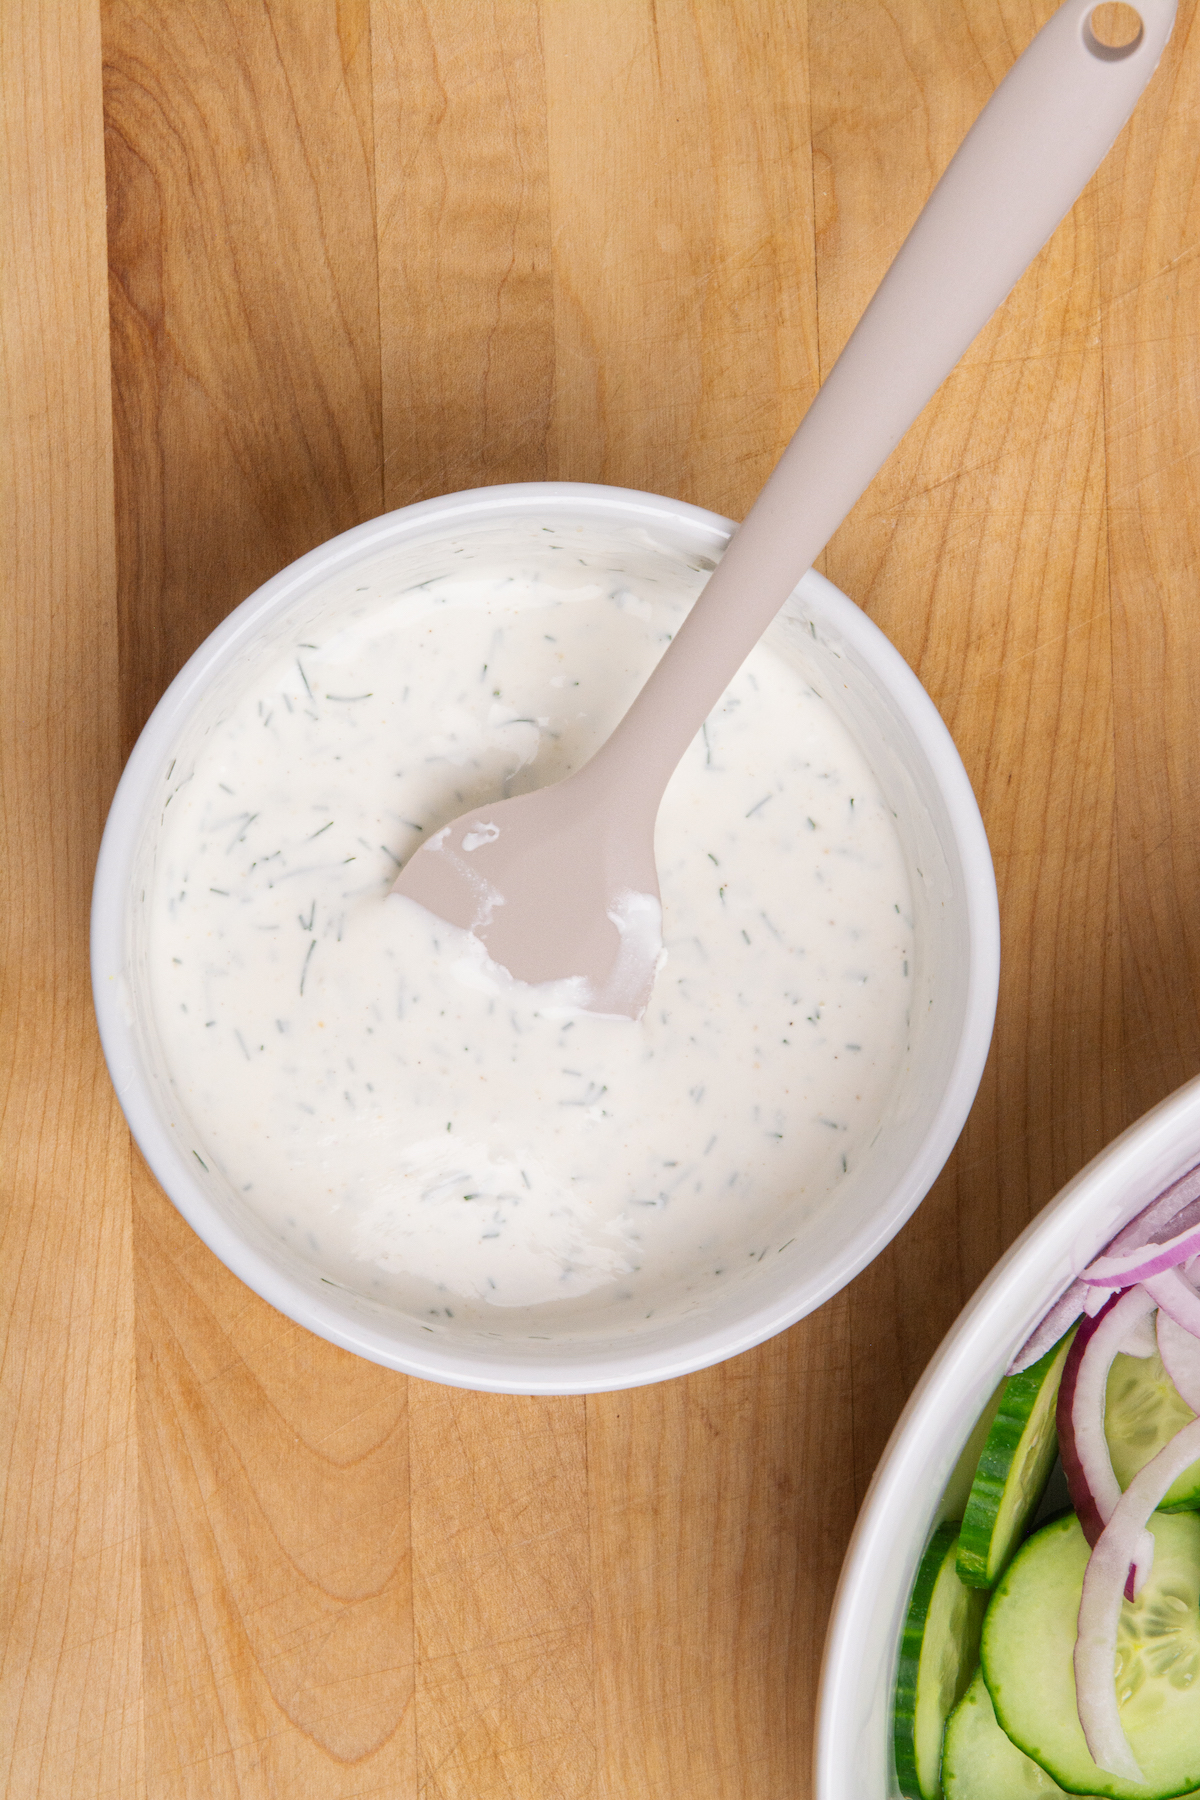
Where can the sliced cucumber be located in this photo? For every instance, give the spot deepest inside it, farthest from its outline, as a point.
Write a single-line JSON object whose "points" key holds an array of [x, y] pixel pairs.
{"points": [[980, 1763], [1142, 1410], [1013, 1470], [958, 1487], [938, 1655], [1029, 1642]]}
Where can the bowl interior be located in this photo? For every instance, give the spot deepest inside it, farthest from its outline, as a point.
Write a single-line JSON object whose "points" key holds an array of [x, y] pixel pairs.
{"points": [[865, 683], [926, 1470]]}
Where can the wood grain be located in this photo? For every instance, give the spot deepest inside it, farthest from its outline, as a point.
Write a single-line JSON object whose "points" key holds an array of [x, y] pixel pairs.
{"points": [[720, 1509], [70, 1617], [681, 207], [465, 296], [502, 1596], [1151, 286], [277, 1586], [364, 251], [245, 320]]}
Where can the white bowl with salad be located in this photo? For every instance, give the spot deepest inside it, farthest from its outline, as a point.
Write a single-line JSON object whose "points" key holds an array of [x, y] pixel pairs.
{"points": [[1019, 1609]]}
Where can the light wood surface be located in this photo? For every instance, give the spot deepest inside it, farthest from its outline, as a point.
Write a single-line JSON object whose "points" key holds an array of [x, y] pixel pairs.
{"points": [[364, 251]]}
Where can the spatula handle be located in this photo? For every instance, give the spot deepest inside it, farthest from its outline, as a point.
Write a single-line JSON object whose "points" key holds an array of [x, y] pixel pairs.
{"points": [[1019, 170]]}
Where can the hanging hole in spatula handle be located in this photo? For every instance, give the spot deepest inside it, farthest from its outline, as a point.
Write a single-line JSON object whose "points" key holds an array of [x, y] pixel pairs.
{"points": [[1113, 31]]}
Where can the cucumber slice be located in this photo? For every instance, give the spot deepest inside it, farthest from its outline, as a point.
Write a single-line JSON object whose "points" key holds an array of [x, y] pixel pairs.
{"points": [[1142, 1410], [980, 1763], [938, 1655], [958, 1487], [1029, 1641], [1014, 1468]]}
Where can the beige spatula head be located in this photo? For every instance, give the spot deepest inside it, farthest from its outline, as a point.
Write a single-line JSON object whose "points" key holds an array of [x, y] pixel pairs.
{"points": [[557, 885], [560, 884]]}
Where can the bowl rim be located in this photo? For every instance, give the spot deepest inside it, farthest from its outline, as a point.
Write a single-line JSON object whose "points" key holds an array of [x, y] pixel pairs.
{"points": [[904, 1499], [613, 1369]]}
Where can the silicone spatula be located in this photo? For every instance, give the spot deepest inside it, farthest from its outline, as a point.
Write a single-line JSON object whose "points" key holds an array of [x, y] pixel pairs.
{"points": [[560, 883]]}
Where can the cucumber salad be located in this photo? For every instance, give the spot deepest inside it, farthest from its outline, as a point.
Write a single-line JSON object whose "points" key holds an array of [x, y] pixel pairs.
{"points": [[1050, 1651]]}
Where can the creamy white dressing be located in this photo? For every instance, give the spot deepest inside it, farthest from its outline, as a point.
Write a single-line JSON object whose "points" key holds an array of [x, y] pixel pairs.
{"points": [[452, 1144]]}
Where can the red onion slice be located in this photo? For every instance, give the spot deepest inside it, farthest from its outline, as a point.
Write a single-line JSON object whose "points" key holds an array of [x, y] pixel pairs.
{"points": [[1175, 1206], [1152, 1259], [1057, 1322], [1174, 1294], [1139, 1340], [1100, 1603], [1094, 1488], [1167, 1209], [1180, 1353]]}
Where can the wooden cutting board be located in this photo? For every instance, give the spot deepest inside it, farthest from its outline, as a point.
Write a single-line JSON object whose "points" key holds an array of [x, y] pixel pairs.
{"points": [[358, 252]]}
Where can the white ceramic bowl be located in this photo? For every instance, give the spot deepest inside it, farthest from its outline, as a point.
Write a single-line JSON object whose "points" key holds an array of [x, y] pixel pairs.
{"points": [[955, 973], [908, 1495]]}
